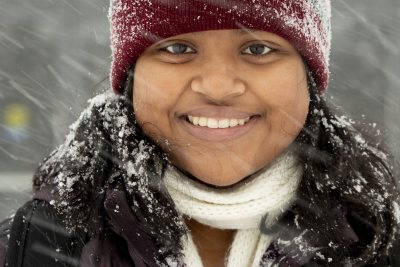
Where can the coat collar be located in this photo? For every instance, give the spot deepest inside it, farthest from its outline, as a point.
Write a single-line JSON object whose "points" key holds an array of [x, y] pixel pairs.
{"points": [[143, 250], [124, 223]]}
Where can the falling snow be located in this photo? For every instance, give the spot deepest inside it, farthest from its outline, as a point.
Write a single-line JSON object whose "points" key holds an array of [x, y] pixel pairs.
{"points": [[55, 54]]}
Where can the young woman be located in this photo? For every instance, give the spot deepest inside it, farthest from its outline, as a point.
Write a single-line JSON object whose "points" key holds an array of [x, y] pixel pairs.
{"points": [[217, 148]]}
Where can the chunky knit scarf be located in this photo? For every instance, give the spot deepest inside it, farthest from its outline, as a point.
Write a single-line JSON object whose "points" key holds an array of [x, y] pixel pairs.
{"points": [[262, 198]]}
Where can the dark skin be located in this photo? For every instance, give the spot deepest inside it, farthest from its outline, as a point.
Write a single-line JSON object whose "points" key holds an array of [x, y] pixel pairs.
{"points": [[212, 244]]}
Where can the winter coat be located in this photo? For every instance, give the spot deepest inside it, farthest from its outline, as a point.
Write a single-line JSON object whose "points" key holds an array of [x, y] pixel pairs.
{"points": [[51, 244]]}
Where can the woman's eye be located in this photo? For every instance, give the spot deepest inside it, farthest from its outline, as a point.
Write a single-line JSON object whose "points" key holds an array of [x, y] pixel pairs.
{"points": [[257, 50], [178, 49]]}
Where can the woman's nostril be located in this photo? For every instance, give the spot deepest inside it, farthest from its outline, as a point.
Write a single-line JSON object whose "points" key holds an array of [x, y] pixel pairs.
{"points": [[219, 88]]}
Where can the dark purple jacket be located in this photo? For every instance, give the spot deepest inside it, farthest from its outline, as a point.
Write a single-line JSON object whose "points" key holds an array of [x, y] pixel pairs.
{"points": [[124, 246], [127, 246]]}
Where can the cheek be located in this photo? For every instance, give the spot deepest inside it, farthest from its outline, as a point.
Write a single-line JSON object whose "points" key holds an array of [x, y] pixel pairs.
{"points": [[148, 101], [287, 100], [155, 95], [147, 92], [294, 111], [155, 87]]}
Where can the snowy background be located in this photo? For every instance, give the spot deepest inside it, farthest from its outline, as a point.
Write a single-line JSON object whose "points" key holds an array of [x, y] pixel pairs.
{"points": [[54, 55]]}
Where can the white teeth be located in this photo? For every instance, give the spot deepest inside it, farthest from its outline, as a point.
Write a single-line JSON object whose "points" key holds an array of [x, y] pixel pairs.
{"points": [[202, 121], [223, 123], [233, 122], [196, 120], [243, 121], [212, 123], [215, 123]]}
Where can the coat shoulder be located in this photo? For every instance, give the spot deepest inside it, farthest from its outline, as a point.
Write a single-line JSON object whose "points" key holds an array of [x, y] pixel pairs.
{"points": [[38, 238], [5, 228]]}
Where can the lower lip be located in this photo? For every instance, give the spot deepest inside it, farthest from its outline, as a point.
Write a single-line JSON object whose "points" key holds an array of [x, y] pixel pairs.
{"points": [[218, 134]]}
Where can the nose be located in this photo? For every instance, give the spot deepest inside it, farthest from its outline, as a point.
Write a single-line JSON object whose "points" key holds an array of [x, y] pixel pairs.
{"points": [[217, 83]]}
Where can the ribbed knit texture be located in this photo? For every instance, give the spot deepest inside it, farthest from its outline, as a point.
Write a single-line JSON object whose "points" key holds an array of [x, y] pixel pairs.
{"points": [[136, 24], [243, 207], [246, 250]]}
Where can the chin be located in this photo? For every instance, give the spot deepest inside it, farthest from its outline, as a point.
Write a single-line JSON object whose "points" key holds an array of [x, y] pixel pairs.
{"points": [[228, 182], [218, 175]]}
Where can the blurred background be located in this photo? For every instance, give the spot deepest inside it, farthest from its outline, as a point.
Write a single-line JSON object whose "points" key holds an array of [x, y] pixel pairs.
{"points": [[54, 55]]}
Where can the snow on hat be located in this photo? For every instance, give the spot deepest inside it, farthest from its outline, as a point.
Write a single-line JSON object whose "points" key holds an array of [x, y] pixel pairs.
{"points": [[137, 24]]}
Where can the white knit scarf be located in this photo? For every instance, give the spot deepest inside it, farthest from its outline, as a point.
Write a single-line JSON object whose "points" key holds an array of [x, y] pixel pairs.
{"points": [[242, 207]]}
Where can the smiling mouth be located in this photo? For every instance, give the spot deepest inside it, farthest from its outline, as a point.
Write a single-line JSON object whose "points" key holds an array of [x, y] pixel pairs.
{"points": [[213, 123], [218, 129]]}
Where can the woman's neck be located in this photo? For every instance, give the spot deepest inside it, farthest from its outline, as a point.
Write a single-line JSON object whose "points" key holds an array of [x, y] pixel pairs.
{"points": [[212, 244]]}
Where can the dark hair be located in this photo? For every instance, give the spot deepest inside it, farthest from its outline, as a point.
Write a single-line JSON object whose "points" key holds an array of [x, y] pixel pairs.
{"points": [[347, 179]]}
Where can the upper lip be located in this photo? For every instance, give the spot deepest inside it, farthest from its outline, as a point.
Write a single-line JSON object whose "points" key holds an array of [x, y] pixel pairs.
{"points": [[218, 113]]}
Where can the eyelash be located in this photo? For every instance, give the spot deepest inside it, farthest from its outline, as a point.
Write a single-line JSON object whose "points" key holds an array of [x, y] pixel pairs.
{"points": [[269, 50], [165, 49]]}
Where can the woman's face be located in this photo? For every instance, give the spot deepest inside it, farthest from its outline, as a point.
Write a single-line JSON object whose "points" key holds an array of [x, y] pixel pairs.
{"points": [[223, 104]]}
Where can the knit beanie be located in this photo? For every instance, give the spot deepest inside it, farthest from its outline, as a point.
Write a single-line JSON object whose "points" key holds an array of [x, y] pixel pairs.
{"points": [[137, 24]]}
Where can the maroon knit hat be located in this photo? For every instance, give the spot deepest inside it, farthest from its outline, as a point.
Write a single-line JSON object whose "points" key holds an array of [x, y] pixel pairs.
{"points": [[137, 24]]}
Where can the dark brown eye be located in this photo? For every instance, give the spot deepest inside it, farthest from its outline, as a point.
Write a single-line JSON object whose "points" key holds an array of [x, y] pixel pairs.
{"points": [[257, 50]]}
